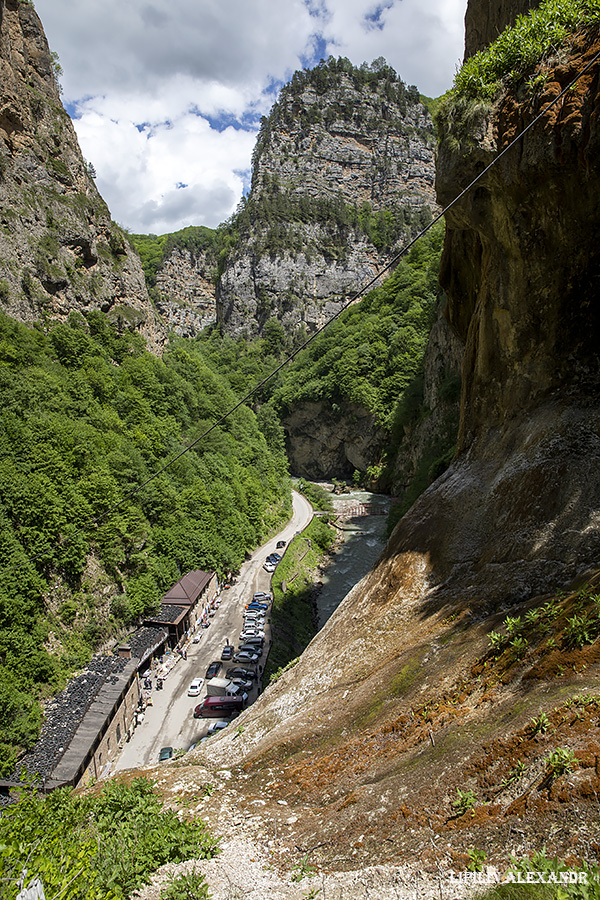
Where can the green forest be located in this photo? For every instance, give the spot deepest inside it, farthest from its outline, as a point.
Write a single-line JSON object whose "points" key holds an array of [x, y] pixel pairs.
{"points": [[101, 846], [88, 417]]}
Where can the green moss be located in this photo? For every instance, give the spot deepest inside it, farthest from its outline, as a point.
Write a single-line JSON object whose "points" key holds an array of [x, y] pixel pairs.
{"points": [[58, 165], [405, 677]]}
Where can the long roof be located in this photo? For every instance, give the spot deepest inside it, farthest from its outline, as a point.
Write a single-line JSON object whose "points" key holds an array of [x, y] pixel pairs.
{"points": [[188, 589], [98, 716]]}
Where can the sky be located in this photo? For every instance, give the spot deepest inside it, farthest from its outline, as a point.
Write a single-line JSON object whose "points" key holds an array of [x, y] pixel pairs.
{"points": [[166, 97]]}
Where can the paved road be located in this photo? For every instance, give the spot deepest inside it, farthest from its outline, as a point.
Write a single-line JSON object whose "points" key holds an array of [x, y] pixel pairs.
{"points": [[169, 721]]}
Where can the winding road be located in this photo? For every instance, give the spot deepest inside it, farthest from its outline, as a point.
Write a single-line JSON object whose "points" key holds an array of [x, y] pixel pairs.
{"points": [[169, 722]]}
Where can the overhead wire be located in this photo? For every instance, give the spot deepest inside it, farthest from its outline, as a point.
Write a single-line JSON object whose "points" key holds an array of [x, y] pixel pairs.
{"points": [[94, 522]]}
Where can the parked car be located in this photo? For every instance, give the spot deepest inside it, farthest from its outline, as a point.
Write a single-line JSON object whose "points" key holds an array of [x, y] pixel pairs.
{"points": [[214, 669], [251, 648], [244, 683], [227, 652], [256, 615], [218, 707], [256, 606], [165, 754], [195, 687], [245, 657], [240, 672], [217, 726], [280, 544], [253, 644], [269, 567], [251, 633], [261, 596]]}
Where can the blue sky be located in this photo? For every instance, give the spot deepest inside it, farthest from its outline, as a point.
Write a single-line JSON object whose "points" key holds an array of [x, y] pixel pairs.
{"points": [[167, 98]]}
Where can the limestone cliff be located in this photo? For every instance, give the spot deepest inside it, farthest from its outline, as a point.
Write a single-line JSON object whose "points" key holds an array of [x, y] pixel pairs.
{"points": [[186, 292], [324, 442], [429, 439], [59, 249], [343, 173]]}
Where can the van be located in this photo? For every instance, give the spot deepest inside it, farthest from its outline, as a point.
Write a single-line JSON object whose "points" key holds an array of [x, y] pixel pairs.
{"points": [[219, 707], [221, 687]]}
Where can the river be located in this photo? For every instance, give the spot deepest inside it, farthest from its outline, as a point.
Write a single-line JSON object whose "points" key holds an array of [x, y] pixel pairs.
{"points": [[363, 539]]}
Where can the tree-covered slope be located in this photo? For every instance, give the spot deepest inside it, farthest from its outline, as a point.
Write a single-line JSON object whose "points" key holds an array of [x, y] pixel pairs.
{"points": [[154, 249], [375, 349], [366, 371], [86, 546]]}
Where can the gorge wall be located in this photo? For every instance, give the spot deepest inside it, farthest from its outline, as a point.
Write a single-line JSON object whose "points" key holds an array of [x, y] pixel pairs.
{"points": [[401, 700], [485, 21], [59, 249], [185, 288]]}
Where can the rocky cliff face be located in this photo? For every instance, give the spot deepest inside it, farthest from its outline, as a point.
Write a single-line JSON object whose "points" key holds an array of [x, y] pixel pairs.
{"points": [[485, 21], [428, 443], [324, 443], [186, 292], [59, 249], [343, 173], [403, 707]]}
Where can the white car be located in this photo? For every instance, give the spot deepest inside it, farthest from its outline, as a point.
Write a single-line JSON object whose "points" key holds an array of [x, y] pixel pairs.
{"points": [[269, 567], [195, 687], [254, 620]]}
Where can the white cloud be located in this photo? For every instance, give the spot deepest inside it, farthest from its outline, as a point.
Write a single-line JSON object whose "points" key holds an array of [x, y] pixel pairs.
{"points": [[156, 88], [422, 41], [139, 167]]}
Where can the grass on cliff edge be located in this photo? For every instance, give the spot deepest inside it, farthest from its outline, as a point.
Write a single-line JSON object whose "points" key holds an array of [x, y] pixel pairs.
{"points": [[534, 36]]}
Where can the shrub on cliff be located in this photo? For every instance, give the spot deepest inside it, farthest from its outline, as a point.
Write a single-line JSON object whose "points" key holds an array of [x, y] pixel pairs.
{"points": [[534, 36]]}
